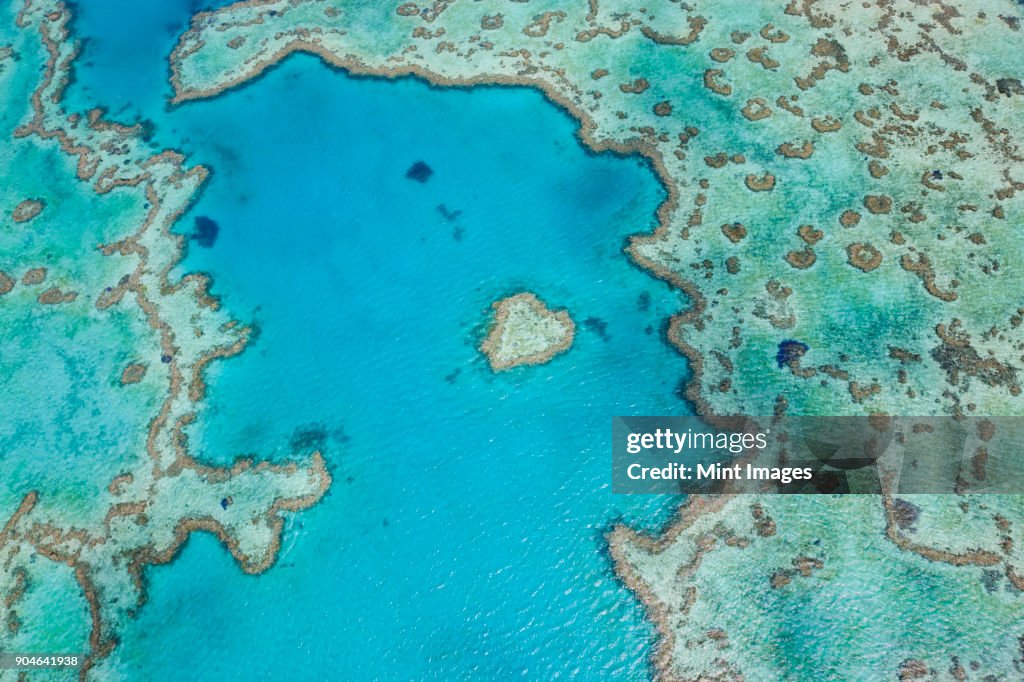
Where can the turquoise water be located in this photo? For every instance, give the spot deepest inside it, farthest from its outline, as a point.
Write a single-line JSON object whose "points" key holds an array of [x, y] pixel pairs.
{"points": [[464, 531]]}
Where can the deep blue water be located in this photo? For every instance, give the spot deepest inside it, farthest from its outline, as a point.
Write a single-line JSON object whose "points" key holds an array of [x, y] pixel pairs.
{"points": [[463, 535]]}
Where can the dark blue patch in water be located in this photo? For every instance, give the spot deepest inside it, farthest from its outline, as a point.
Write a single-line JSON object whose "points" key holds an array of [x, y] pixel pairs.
{"points": [[206, 231], [419, 171], [598, 326], [790, 351], [448, 214]]}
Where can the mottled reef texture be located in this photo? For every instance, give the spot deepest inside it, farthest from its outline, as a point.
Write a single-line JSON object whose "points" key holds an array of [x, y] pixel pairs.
{"points": [[524, 331], [843, 177], [101, 324]]}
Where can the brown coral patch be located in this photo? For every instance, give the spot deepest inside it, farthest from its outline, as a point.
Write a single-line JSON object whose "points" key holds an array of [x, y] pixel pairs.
{"points": [[717, 161], [826, 124], [790, 152], [807, 565], [756, 109], [492, 22], [861, 393], [27, 210], [788, 105], [697, 24], [55, 296], [864, 257], [922, 267], [809, 234], [734, 231], [801, 260], [878, 203], [849, 218], [765, 183], [958, 357], [711, 82], [133, 373], [778, 36], [541, 24], [763, 522], [34, 276], [722, 54], [636, 87], [492, 344], [912, 669], [759, 55]]}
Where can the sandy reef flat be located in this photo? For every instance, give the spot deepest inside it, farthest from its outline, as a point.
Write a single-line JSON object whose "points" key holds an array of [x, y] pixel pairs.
{"points": [[525, 331], [99, 479]]}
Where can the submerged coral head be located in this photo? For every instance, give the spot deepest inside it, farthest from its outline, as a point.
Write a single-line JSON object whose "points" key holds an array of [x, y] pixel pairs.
{"points": [[419, 171], [206, 231], [790, 351]]}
